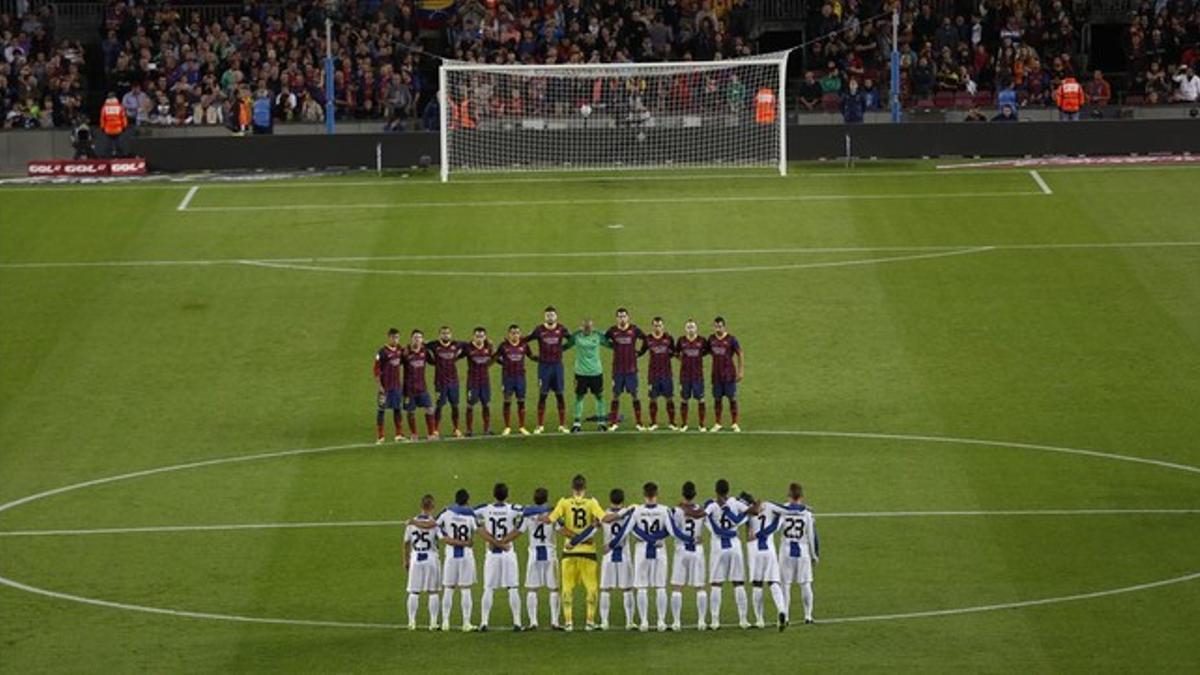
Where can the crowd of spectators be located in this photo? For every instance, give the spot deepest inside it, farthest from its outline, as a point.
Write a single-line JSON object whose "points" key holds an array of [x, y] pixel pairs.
{"points": [[1162, 47], [192, 71], [970, 50], [42, 81], [169, 68]]}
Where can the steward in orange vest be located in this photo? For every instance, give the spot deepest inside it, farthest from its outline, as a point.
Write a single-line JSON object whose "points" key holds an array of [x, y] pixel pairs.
{"points": [[113, 123], [112, 116], [1069, 98], [764, 106]]}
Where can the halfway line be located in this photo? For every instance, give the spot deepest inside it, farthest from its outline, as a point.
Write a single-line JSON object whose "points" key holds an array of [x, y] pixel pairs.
{"points": [[233, 527]]}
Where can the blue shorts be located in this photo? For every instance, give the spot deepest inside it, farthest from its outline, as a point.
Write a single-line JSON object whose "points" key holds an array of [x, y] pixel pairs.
{"points": [[725, 389], [662, 386], [481, 395], [448, 395], [392, 399], [625, 383], [420, 400], [515, 386], [690, 390], [550, 378]]}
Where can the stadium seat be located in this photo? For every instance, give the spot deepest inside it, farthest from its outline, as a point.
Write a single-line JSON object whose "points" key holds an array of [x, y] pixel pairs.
{"points": [[831, 102], [943, 99], [963, 100]]}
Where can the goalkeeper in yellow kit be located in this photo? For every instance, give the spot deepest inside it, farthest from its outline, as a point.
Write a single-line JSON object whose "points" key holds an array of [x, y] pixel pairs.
{"points": [[579, 515]]}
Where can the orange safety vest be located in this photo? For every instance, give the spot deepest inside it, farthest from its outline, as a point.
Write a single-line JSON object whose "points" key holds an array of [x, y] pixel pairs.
{"points": [[764, 106], [1069, 96], [464, 114], [112, 118]]}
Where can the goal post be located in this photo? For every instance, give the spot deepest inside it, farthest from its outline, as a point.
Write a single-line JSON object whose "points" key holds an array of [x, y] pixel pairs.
{"points": [[607, 117]]}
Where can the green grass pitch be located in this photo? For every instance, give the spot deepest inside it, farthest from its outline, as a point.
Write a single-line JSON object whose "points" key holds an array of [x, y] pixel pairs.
{"points": [[1053, 330]]}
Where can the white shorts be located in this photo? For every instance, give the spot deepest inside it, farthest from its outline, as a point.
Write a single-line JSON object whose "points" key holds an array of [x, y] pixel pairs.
{"points": [[726, 564], [795, 570], [617, 575], [688, 568], [500, 570], [458, 571], [424, 577], [650, 572], [764, 566], [541, 573]]}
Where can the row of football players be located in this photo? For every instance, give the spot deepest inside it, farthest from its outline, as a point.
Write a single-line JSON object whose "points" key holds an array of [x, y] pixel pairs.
{"points": [[635, 573], [400, 375]]}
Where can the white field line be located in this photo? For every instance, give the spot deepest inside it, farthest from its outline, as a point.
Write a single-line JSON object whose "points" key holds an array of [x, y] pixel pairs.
{"points": [[599, 254], [187, 199], [730, 199], [12, 583], [614, 273], [239, 527], [1037, 178], [794, 175]]}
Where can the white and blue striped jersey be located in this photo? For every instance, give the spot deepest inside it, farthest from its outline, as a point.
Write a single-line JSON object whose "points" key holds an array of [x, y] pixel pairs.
{"points": [[500, 520], [541, 535], [651, 524], [456, 522], [690, 528], [797, 529], [761, 528], [422, 542]]}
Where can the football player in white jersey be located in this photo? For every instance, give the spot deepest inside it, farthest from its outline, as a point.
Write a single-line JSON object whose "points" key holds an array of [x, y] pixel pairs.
{"points": [[456, 526], [799, 547], [650, 524], [541, 569], [726, 559], [616, 567], [421, 564], [687, 569], [500, 525], [764, 562]]}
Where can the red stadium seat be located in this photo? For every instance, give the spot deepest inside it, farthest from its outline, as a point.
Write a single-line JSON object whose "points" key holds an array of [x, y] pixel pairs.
{"points": [[943, 99], [963, 100], [831, 102], [923, 103]]}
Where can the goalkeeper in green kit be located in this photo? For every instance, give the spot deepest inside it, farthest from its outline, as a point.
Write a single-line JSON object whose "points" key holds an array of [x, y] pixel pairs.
{"points": [[589, 374]]}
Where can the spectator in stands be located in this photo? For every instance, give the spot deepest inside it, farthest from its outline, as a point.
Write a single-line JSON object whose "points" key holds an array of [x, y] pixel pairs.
{"points": [[871, 96], [854, 103], [832, 82], [975, 115], [1155, 83], [310, 110], [1098, 91], [1006, 96], [1189, 84], [1007, 114], [810, 91], [923, 78], [136, 104]]}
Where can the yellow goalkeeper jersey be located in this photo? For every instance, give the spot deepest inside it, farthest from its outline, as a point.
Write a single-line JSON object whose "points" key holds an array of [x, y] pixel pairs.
{"points": [[578, 514]]}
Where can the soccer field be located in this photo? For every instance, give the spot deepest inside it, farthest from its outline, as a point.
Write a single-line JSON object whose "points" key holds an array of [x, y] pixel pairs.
{"points": [[987, 381]]}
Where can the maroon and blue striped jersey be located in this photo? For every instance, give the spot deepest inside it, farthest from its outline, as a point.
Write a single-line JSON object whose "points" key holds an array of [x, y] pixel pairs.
{"points": [[625, 348], [722, 350], [445, 357], [691, 358], [388, 366], [512, 358], [479, 360], [550, 342], [661, 350], [414, 370]]}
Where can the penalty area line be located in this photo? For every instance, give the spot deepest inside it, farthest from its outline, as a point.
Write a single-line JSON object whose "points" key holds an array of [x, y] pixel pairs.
{"points": [[1041, 182], [187, 199]]}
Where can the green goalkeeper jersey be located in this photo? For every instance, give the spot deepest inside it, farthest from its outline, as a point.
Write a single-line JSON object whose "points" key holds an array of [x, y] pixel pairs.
{"points": [[587, 352]]}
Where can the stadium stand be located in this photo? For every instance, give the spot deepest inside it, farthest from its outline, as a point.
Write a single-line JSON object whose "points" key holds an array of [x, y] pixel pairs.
{"points": [[203, 63]]}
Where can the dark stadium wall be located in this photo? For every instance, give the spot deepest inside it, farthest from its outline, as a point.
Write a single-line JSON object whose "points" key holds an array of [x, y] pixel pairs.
{"points": [[805, 142]]}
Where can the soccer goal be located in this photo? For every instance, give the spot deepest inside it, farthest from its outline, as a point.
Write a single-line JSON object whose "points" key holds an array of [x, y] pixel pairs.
{"points": [[613, 116]]}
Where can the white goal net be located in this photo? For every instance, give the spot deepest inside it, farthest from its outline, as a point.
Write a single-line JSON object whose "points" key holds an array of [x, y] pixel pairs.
{"points": [[613, 116]]}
